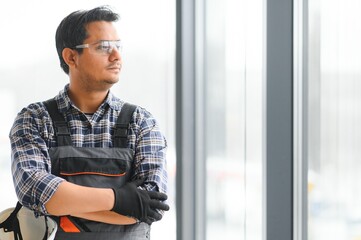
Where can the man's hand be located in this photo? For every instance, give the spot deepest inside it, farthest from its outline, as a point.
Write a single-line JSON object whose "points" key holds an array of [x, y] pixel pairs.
{"points": [[141, 204]]}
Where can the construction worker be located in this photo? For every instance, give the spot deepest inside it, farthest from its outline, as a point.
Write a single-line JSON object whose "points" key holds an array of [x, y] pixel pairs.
{"points": [[86, 158]]}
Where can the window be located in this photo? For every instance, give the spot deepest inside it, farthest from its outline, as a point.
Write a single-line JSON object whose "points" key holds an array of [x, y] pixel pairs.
{"points": [[334, 191], [233, 51]]}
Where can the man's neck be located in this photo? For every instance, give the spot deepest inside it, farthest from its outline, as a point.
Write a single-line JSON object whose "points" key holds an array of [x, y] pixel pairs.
{"points": [[87, 102]]}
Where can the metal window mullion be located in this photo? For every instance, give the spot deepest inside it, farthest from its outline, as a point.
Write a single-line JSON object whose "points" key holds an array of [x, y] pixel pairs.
{"points": [[200, 163], [185, 121], [278, 156], [300, 119]]}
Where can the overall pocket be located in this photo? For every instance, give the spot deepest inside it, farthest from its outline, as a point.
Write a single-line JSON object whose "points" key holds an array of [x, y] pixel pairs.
{"points": [[92, 167], [95, 172]]}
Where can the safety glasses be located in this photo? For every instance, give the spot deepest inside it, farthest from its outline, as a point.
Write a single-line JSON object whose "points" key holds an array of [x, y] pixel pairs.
{"points": [[103, 47]]}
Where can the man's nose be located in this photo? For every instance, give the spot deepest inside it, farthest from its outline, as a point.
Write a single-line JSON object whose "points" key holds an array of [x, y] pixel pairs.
{"points": [[115, 54]]}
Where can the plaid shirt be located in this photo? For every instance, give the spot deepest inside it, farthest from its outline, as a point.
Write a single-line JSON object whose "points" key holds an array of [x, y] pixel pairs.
{"points": [[33, 134]]}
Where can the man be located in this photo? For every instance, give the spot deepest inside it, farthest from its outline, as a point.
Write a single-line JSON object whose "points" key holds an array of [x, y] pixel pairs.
{"points": [[86, 157]]}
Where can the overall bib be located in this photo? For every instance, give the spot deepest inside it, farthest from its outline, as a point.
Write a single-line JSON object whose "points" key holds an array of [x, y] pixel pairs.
{"points": [[94, 167]]}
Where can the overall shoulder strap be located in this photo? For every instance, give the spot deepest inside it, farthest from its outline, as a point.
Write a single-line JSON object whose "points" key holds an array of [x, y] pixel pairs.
{"points": [[121, 127], [60, 126]]}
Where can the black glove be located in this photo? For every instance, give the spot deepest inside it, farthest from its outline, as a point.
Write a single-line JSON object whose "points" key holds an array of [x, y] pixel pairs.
{"points": [[141, 204]]}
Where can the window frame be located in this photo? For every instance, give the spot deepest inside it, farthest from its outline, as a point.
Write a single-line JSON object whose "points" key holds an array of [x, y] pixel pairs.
{"points": [[283, 194]]}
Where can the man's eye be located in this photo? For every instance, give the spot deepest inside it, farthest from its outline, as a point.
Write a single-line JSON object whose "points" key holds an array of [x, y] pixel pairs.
{"points": [[103, 48]]}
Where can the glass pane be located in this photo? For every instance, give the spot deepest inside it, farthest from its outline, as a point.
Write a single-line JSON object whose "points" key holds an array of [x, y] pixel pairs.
{"points": [[233, 120], [334, 116], [30, 71]]}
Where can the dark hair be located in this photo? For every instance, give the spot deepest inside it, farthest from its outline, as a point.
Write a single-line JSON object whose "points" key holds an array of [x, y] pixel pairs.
{"points": [[72, 30]]}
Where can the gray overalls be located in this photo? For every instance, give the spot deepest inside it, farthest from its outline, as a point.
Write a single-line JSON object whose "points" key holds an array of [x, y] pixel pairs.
{"points": [[94, 167]]}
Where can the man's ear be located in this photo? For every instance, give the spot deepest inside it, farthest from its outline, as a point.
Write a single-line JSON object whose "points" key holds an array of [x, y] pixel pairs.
{"points": [[70, 57]]}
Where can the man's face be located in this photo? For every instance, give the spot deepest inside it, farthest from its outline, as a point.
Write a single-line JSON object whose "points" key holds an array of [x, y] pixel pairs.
{"points": [[96, 70]]}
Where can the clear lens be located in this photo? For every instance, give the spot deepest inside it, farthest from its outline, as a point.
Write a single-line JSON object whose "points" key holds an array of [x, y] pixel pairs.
{"points": [[104, 47]]}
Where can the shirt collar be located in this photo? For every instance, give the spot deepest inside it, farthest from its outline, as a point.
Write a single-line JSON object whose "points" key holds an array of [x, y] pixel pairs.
{"points": [[113, 101], [64, 102]]}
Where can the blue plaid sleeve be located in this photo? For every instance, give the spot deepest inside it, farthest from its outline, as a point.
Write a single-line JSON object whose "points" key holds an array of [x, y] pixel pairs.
{"points": [[150, 152], [34, 185]]}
